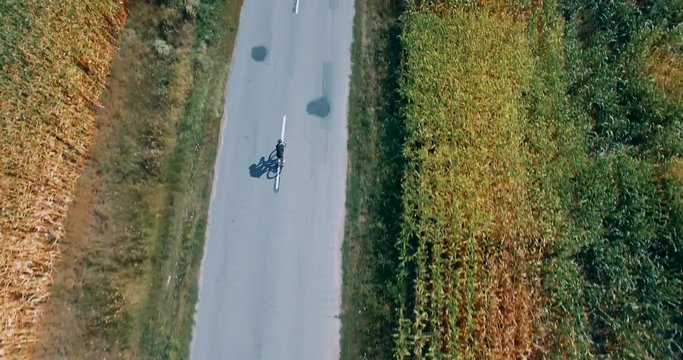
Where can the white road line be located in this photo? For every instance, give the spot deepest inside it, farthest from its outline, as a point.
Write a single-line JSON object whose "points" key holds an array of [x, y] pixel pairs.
{"points": [[284, 122], [296, 6]]}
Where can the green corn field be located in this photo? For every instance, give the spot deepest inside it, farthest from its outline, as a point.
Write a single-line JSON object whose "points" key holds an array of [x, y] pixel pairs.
{"points": [[542, 209]]}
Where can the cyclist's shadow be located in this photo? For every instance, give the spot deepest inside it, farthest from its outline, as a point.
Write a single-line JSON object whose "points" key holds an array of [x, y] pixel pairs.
{"points": [[267, 167]]}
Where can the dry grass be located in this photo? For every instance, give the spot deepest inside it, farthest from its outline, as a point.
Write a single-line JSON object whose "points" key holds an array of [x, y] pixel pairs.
{"points": [[49, 93], [666, 66], [517, 10], [675, 169]]}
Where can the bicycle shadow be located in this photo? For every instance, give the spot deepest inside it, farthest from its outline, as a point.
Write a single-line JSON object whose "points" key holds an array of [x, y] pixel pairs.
{"points": [[265, 167]]}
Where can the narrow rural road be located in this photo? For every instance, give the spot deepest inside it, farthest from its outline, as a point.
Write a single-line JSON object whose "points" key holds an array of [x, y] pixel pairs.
{"points": [[270, 285]]}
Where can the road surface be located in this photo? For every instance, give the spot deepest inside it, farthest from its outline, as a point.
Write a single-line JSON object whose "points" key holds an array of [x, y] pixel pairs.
{"points": [[270, 282]]}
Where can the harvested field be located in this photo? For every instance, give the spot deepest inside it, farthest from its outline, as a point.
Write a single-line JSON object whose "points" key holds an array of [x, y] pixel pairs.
{"points": [[55, 59], [125, 287]]}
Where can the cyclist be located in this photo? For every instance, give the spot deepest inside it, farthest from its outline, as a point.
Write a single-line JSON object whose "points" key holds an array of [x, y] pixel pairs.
{"points": [[280, 150]]}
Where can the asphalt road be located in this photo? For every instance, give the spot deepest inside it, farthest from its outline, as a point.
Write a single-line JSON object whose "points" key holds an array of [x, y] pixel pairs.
{"points": [[270, 285]]}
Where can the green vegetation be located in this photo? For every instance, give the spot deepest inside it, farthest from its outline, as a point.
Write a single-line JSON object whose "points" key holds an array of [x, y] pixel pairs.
{"points": [[614, 273], [541, 206], [133, 250], [376, 131]]}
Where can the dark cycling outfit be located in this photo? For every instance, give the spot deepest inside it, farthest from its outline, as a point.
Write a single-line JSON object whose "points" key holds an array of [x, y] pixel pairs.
{"points": [[280, 150]]}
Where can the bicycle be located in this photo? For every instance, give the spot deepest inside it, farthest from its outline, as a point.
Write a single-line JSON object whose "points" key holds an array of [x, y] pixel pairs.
{"points": [[280, 153]]}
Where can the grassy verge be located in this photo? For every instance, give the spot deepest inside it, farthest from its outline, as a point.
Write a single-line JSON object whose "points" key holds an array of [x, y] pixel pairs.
{"points": [[126, 286], [374, 174]]}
